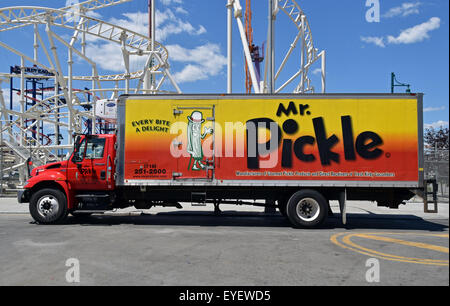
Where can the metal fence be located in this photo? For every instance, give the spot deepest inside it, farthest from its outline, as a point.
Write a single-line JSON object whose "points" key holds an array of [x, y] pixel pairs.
{"points": [[9, 179], [436, 167]]}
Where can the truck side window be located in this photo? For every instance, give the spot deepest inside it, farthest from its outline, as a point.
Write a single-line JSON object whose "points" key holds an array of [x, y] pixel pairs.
{"points": [[95, 148]]}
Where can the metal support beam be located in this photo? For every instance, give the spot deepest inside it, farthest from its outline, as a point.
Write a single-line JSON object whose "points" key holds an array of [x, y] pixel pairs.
{"points": [[323, 72], [270, 53], [230, 46], [248, 57]]}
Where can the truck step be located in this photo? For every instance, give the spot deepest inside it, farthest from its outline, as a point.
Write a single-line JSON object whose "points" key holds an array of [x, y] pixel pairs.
{"points": [[92, 211], [92, 196]]}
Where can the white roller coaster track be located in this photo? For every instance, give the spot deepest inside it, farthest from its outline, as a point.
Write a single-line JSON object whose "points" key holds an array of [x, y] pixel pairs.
{"points": [[309, 55], [67, 108]]}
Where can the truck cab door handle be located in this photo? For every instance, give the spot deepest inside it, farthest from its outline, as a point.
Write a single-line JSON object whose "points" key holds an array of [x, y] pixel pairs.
{"points": [[99, 164]]}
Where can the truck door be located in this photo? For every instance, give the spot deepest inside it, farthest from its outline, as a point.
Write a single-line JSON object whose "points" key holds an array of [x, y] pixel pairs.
{"points": [[197, 160], [87, 169]]}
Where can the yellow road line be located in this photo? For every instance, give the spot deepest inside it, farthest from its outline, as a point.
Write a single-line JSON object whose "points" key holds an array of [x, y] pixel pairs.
{"points": [[365, 251], [347, 240], [408, 243]]}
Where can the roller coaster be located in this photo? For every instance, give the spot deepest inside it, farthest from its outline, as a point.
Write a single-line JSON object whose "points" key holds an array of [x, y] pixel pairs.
{"points": [[52, 102]]}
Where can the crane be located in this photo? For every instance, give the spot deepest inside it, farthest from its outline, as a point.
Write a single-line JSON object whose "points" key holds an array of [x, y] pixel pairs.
{"points": [[257, 56]]}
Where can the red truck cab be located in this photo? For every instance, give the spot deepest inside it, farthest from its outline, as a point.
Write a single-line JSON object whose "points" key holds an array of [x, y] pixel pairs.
{"points": [[55, 189]]}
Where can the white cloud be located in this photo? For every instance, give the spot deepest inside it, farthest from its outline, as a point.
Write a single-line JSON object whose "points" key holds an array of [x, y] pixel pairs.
{"points": [[378, 41], [436, 125], [93, 14], [317, 71], [136, 22], [406, 9], [417, 33], [433, 109], [411, 35], [201, 30], [110, 58], [167, 24], [202, 62], [170, 2], [4, 92], [191, 73], [7, 98], [170, 25], [181, 10]]}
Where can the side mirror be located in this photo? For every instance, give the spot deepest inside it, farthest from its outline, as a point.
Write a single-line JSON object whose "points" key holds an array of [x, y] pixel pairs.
{"points": [[76, 148], [77, 142], [29, 164]]}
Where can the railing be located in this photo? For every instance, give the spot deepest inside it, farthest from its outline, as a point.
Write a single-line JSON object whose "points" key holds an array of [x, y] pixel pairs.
{"points": [[436, 167]]}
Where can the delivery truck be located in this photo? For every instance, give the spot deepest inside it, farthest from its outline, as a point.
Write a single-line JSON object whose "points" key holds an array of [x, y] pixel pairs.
{"points": [[293, 152]]}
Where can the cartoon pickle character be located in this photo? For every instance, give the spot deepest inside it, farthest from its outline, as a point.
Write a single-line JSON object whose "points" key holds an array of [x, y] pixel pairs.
{"points": [[195, 136]]}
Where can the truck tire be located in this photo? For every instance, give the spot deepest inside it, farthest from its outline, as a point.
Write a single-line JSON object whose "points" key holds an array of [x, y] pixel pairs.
{"points": [[307, 208], [48, 206]]}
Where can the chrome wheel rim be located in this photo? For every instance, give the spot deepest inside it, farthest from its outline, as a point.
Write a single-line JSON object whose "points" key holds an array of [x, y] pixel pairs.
{"points": [[308, 209], [47, 206]]}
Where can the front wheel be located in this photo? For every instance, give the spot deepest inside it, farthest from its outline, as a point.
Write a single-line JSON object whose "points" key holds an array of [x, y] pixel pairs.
{"points": [[307, 208], [48, 206]]}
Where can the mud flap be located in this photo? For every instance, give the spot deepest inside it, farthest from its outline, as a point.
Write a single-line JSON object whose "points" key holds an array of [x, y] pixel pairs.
{"points": [[343, 205]]}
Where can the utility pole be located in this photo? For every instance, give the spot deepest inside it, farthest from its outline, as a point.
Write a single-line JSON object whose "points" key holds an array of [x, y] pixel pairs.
{"points": [[149, 80], [270, 203], [229, 46]]}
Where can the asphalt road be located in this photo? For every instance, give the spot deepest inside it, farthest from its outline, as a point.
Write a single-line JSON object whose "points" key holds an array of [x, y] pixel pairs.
{"points": [[177, 247]]}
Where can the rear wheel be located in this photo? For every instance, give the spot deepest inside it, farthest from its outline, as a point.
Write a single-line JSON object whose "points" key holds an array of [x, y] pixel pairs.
{"points": [[48, 206], [307, 208]]}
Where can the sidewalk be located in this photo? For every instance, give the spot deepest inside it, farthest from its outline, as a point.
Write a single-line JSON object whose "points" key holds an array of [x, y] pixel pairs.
{"points": [[413, 209]]}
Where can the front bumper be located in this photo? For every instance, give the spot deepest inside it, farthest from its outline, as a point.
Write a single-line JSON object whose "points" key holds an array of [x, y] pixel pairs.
{"points": [[23, 196]]}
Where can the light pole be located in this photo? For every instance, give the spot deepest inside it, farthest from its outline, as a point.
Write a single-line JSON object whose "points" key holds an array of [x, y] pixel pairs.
{"points": [[396, 83]]}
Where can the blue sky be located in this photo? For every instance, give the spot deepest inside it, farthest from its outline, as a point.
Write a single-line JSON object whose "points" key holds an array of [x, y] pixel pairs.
{"points": [[411, 39]]}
